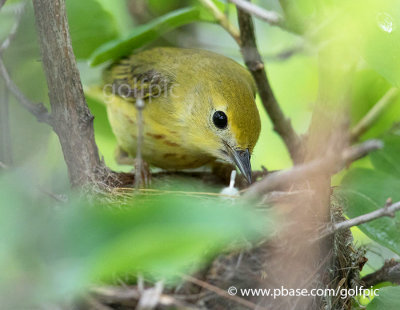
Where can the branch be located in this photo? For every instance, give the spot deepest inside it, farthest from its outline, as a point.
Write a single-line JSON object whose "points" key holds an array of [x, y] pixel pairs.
{"points": [[129, 297], [390, 272], [372, 116], [37, 109], [270, 17], [329, 164], [388, 210], [254, 63], [222, 19], [73, 122]]}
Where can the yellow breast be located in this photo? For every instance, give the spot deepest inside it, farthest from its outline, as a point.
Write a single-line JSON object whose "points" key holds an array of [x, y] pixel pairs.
{"points": [[163, 143]]}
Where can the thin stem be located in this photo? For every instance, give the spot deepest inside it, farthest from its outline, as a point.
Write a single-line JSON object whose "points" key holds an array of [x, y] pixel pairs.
{"points": [[222, 19], [139, 160], [254, 63], [373, 115], [329, 164], [37, 109], [388, 210], [18, 16]]}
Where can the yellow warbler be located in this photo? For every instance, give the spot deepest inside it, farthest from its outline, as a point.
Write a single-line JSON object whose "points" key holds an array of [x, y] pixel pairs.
{"points": [[199, 107]]}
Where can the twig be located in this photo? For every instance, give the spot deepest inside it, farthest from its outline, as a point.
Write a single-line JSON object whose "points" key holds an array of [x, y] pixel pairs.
{"points": [[139, 163], [254, 62], [222, 292], [150, 297], [5, 135], [371, 117], [330, 164], [37, 109], [129, 296], [222, 19], [18, 16], [270, 17], [388, 210], [390, 272]]}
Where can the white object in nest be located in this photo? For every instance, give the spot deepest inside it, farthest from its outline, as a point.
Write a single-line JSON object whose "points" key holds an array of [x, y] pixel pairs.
{"points": [[231, 190]]}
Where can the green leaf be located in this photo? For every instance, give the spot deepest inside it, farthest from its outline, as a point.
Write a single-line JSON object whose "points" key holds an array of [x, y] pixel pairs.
{"points": [[382, 33], [144, 34], [387, 159], [90, 26], [388, 299], [78, 243], [367, 190]]}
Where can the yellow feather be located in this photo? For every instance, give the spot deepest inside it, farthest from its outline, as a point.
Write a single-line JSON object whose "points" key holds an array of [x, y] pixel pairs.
{"points": [[182, 89]]}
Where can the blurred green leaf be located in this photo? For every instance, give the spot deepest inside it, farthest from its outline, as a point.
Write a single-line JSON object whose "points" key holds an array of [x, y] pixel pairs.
{"points": [[388, 299], [369, 24], [367, 190], [78, 243], [382, 34], [144, 34], [387, 159], [90, 26]]}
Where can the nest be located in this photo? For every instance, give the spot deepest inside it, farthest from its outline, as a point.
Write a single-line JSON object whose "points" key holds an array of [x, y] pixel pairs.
{"points": [[258, 266]]}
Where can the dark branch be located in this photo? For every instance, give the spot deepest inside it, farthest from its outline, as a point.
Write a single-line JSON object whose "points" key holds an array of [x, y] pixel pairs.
{"points": [[73, 122], [390, 272], [388, 210], [329, 164], [254, 63], [37, 109]]}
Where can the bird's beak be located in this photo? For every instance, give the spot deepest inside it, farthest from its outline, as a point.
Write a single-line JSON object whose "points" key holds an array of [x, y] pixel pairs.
{"points": [[242, 160]]}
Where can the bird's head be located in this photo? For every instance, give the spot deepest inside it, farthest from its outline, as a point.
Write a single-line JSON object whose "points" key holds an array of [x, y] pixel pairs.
{"points": [[226, 124]]}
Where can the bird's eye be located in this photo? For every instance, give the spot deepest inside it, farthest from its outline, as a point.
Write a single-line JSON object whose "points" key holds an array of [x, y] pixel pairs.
{"points": [[220, 119]]}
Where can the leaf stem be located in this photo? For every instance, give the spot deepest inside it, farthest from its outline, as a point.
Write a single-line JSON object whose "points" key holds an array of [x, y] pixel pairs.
{"points": [[372, 116], [222, 19]]}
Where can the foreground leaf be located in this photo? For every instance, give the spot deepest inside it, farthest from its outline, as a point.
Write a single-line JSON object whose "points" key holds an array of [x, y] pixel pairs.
{"points": [[78, 243], [90, 26], [388, 299], [387, 159], [144, 34], [367, 190]]}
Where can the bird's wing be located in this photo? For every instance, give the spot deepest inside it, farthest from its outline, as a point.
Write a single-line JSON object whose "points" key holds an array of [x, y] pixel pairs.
{"points": [[131, 79]]}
